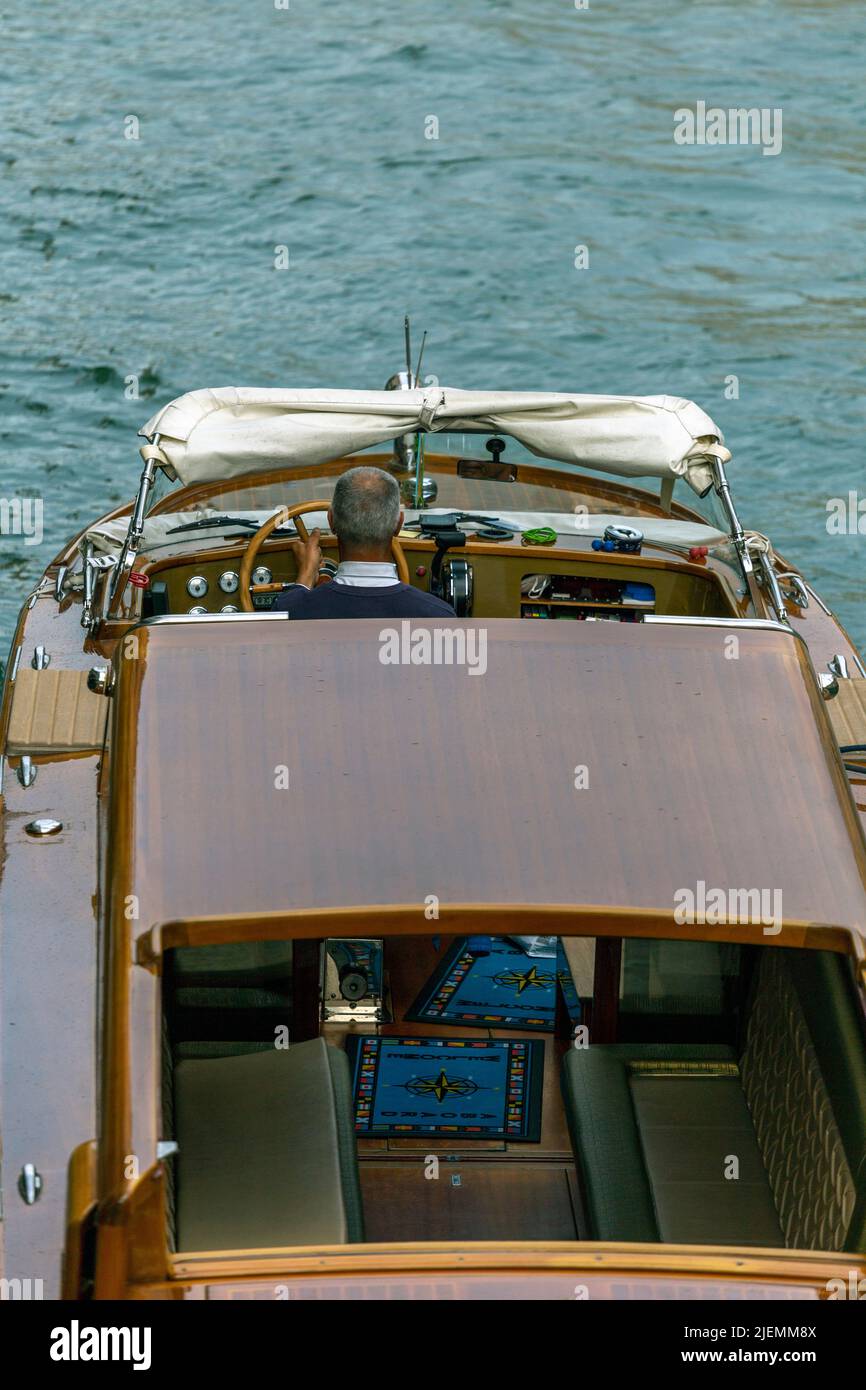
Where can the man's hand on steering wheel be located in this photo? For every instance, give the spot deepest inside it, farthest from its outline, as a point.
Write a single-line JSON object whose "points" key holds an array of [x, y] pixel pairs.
{"points": [[308, 555], [307, 551]]}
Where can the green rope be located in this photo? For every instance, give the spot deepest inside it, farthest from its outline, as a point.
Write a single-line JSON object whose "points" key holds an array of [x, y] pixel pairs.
{"points": [[541, 535]]}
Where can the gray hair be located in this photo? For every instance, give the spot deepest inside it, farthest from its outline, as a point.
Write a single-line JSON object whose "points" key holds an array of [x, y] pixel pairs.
{"points": [[366, 507]]}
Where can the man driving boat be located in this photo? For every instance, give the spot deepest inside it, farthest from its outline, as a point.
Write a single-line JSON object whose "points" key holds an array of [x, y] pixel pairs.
{"points": [[364, 515]]}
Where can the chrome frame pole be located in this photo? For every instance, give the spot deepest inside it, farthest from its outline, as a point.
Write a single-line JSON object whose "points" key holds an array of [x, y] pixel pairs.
{"points": [[765, 573], [126, 559], [723, 490], [87, 575]]}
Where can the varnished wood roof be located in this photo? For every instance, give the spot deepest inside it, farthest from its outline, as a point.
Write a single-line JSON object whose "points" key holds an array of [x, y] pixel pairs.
{"points": [[408, 781]]}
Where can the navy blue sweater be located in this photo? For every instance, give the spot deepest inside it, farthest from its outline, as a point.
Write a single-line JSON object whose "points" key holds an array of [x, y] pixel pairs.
{"points": [[356, 601]]}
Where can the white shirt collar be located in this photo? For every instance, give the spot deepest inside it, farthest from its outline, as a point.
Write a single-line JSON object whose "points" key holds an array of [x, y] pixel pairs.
{"points": [[366, 574]]}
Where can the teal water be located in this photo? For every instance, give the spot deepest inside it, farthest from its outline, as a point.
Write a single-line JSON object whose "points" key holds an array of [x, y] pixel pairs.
{"points": [[305, 127]]}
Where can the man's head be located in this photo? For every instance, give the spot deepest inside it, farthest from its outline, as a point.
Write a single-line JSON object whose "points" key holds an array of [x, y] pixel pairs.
{"points": [[365, 513]]}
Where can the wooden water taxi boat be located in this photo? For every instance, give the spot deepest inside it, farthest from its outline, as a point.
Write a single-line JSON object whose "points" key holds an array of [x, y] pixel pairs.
{"points": [[509, 957]]}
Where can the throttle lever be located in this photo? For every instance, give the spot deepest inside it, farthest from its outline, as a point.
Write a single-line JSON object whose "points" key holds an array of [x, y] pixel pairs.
{"points": [[445, 540]]}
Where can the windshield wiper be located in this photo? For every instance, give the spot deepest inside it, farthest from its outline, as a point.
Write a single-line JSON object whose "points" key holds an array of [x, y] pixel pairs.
{"points": [[449, 520], [207, 522]]}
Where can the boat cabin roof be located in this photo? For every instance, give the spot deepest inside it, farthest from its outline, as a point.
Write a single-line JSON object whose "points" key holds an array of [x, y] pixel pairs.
{"points": [[313, 779]]}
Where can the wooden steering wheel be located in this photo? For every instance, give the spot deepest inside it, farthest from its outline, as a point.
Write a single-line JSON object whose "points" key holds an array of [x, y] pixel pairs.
{"points": [[251, 553]]}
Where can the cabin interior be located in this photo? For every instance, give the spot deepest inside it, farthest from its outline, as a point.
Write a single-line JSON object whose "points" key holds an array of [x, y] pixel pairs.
{"points": [[722, 1101]]}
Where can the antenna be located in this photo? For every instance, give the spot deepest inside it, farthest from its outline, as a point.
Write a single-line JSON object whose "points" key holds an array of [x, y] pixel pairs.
{"points": [[409, 455], [420, 356], [408, 349]]}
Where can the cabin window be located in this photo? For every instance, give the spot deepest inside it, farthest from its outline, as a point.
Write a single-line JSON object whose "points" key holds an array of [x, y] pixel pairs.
{"points": [[500, 1095]]}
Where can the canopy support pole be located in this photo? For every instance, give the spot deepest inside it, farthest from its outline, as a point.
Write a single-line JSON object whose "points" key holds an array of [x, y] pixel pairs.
{"points": [[133, 537], [765, 574]]}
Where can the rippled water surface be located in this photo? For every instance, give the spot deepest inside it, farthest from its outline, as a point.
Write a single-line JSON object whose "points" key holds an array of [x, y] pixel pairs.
{"points": [[305, 127]]}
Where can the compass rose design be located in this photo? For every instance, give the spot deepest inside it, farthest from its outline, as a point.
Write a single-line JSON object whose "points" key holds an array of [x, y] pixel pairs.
{"points": [[519, 980], [441, 1086]]}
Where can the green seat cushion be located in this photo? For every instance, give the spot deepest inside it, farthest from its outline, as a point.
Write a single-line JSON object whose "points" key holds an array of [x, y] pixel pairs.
{"points": [[708, 1180], [648, 1146], [605, 1137], [265, 1154]]}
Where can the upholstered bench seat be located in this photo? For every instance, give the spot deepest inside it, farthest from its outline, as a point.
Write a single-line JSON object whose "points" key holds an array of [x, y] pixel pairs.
{"points": [[266, 1150], [708, 1180], [654, 1126], [659, 1130]]}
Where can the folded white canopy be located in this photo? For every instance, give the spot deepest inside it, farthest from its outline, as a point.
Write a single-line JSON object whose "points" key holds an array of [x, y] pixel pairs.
{"points": [[207, 436]]}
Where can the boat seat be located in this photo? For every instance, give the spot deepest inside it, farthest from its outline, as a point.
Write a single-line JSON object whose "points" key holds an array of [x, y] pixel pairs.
{"points": [[655, 1126], [266, 1150]]}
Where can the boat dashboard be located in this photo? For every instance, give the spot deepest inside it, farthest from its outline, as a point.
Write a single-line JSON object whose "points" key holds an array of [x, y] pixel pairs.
{"points": [[566, 581]]}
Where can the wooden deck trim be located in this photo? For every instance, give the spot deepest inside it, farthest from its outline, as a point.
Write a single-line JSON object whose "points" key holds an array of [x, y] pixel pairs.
{"points": [[486, 919]]}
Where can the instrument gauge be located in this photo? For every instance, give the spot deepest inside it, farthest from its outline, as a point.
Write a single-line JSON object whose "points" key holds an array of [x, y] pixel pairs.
{"points": [[228, 582], [229, 608], [197, 586], [197, 611], [262, 575]]}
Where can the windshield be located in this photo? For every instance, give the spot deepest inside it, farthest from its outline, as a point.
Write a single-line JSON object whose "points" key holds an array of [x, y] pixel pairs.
{"points": [[464, 471]]}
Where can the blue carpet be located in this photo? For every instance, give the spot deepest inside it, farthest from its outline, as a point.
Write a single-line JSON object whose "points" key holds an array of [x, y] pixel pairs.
{"points": [[488, 982], [447, 1086]]}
